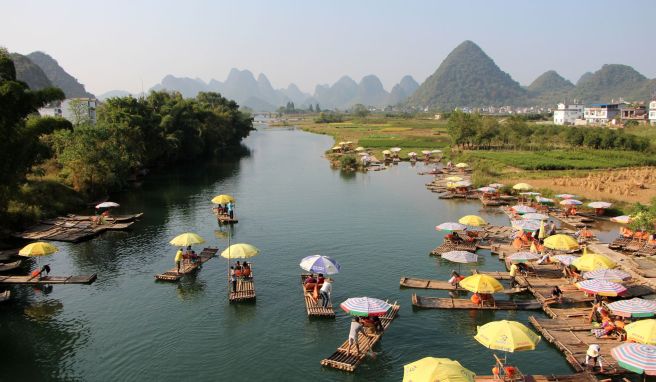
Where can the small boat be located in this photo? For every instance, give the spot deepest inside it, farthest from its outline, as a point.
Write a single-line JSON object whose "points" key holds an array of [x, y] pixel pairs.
{"points": [[9, 266]]}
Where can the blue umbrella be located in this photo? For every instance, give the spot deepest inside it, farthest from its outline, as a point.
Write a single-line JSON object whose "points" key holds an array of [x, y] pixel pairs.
{"points": [[320, 264]]}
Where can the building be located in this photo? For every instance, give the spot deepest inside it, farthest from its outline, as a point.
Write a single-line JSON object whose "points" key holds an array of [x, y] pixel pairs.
{"points": [[633, 113], [652, 112], [52, 109], [567, 114], [79, 110], [601, 114]]}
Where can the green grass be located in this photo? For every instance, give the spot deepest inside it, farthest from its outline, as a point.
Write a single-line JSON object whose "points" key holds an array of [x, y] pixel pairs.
{"points": [[424, 142], [566, 160]]}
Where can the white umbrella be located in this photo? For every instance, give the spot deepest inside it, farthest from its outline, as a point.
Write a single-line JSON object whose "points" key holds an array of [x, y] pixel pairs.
{"points": [[571, 202], [600, 205], [522, 209], [524, 256], [487, 189], [451, 226], [624, 219], [460, 257], [564, 259], [463, 183], [320, 264], [496, 185], [436, 151], [566, 196], [535, 216], [395, 149], [107, 205], [425, 152]]}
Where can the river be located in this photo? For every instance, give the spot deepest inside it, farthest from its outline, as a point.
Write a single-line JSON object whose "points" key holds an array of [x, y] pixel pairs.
{"points": [[290, 204]]}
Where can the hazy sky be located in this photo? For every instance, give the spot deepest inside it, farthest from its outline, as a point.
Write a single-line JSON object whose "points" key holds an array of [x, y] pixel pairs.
{"points": [[119, 44]]}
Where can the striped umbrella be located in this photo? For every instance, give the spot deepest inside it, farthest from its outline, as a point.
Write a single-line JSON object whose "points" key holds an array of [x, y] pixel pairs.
{"points": [[614, 275], [320, 264], [564, 259], [543, 200], [365, 306], [451, 226], [571, 202], [522, 209], [601, 287], [487, 189], [566, 196], [636, 357], [535, 216], [460, 257], [526, 225], [521, 257], [635, 307]]}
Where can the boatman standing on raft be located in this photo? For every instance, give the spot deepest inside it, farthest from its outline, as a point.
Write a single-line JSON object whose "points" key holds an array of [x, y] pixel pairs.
{"points": [[178, 259]]}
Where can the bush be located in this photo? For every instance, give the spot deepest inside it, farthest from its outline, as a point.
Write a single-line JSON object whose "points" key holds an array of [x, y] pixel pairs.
{"points": [[328, 118], [348, 162]]}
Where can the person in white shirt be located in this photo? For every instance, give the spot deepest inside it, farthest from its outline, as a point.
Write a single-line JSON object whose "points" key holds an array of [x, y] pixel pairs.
{"points": [[325, 292]]}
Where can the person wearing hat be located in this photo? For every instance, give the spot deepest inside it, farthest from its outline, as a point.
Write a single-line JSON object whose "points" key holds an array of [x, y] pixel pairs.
{"points": [[325, 292], [593, 354]]}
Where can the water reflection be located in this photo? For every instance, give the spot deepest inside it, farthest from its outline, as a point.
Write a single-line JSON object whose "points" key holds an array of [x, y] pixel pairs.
{"points": [[190, 287]]}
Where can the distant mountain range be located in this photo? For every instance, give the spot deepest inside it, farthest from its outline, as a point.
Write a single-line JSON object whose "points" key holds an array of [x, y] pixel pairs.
{"points": [[467, 77], [259, 94]]}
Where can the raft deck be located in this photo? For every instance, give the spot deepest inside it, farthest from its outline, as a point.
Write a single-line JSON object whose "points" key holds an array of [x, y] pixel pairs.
{"points": [[75, 228], [461, 303], [342, 360], [30, 280], [314, 308], [187, 267], [245, 289], [226, 219]]}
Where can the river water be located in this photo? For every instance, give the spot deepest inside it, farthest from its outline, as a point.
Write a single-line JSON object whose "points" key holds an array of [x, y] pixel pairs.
{"points": [[290, 204]]}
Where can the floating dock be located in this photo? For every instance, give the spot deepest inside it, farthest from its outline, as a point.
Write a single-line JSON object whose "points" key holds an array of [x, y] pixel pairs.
{"points": [[187, 267], [76, 228], [30, 280], [314, 308], [343, 360], [245, 289], [464, 303]]}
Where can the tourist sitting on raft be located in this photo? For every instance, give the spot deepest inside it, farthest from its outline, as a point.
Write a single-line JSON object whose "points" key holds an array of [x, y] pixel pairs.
{"points": [[556, 296], [453, 238], [570, 272], [311, 282], [372, 324], [571, 211], [455, 278], [482, 299]]}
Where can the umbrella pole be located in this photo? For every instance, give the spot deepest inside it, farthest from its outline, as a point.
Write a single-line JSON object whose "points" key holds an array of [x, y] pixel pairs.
{"points": [[229, 256]]}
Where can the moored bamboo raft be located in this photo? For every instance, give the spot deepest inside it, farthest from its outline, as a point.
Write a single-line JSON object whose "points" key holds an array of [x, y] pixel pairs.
{"points": [[579, 377], [461, 303], [75, 228], [343, 360], [245, 289], [31, 280], [225, 218], [312, 306], [10, 266], [187, 266], [411, 282], [450, 246]]}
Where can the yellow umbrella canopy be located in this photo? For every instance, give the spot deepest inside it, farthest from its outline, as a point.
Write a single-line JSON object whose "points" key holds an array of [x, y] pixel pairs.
{"points": [[508, 336], [38, 249], [223, 199], [480, 283], [592, 262], [462, 165], [431, 369], [240, 251], [561, 242], [185, 239], [642, 331], [454, 179], [522, 187], [473, 220], [386, 152]]}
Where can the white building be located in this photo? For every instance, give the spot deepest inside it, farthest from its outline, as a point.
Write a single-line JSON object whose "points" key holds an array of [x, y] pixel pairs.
{"points": [[601, 114], [652, 112], [79, 110], [567, 114], [51, 110]]}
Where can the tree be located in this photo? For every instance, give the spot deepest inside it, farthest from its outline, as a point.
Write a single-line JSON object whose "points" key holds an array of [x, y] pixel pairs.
{"points": [[360, 110], [79, 109], [18, 142], [311, 109], [317, 108]]}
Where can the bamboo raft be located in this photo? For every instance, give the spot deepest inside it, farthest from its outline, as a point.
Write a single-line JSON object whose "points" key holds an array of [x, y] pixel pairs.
{"points": [[579, 377], [10, 266], [187, 267], [226, 219], [342, 360], [245, 289], [411, 282], [571, 337], [75, 228], [30, 280], [461, 303], [4, 296], [448, 246], [314, 308]]}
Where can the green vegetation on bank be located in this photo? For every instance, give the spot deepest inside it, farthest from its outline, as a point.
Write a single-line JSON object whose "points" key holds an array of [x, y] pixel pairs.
{"points": [[565, 159], [48, 165]]}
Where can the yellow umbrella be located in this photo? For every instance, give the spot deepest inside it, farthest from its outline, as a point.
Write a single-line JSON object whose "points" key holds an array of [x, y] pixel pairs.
{"points": [[432, 369], [480, 283], [462, 165], [240, 251], [454, 179], [341, 143], [38, 249], [186, 239], [522, 187], [386, 152], [561, 242], [508, 336], [642, 331], [223, 199], [472, 220], [359, 148], [592, 261]]}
